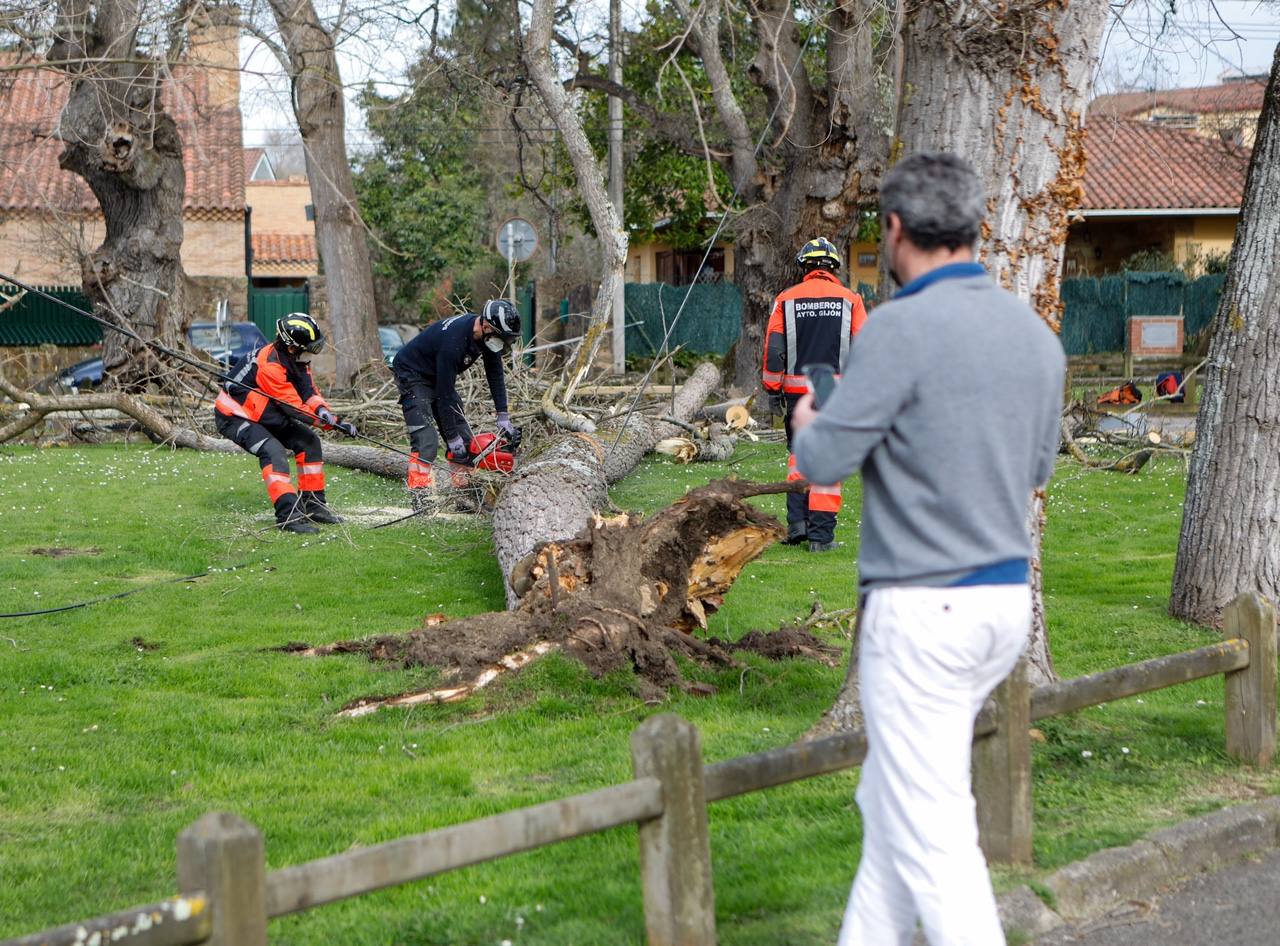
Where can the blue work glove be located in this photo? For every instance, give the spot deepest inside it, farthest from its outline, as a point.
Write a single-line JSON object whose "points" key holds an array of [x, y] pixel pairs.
{"points": [[327, 417], [347, 428]]}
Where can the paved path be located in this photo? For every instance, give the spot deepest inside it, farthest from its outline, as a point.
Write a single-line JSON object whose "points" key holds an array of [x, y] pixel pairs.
{"points": [[1239, 906]]}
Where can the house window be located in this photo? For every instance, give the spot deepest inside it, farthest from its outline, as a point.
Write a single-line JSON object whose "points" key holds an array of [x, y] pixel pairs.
{"points": [[866, 260], [681, 267]]}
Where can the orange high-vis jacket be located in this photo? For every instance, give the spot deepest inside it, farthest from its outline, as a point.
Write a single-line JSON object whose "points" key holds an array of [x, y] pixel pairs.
{"points": [[813, 322], [292, 386]]}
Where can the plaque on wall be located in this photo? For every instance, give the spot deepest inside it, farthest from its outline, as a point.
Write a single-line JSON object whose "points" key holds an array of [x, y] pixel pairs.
{"points": [[1155, 335]]}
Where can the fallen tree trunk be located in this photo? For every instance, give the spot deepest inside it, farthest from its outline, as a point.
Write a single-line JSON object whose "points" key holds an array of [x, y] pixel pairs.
{"points": [[557, 491], [162, 430], [622, 593]]}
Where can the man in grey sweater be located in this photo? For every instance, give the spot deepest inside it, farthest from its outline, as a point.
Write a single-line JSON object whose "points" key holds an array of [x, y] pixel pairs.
{"points": [[949, 405]]}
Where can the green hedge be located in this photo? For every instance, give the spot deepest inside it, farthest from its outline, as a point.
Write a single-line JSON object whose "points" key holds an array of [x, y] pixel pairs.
{"points": [[1095, 309]]}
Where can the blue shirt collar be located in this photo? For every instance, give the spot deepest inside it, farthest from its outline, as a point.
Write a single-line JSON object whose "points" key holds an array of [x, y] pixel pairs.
{"points": [[950, 271]]}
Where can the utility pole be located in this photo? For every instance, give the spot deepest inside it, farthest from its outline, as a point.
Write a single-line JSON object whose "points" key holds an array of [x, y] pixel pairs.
{"points": [[615, 177]]}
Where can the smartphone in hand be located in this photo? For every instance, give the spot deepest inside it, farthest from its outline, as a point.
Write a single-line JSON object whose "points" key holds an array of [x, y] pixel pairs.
{"points": [[822, 381]]}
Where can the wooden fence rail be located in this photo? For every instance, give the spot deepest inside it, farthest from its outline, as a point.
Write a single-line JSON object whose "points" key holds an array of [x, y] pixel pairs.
{"points": [[228, 895]]}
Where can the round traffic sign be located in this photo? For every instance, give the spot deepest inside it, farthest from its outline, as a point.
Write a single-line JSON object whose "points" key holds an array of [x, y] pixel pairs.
{"points": [[517, 240]]}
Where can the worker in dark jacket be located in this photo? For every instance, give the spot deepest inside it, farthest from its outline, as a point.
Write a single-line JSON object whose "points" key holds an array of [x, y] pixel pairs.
{"points": [[271, 408], [812, 323], [426, 371]]}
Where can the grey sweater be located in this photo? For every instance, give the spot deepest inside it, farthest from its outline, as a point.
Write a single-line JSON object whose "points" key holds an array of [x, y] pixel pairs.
{"points": [[949, 404]]}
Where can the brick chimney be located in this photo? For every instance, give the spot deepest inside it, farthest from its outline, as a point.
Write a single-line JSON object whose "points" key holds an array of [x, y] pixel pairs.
{"points": [[213, 41]]}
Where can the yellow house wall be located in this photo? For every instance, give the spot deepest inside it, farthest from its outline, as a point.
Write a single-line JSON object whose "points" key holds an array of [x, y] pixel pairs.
{"points": [[213, 247], [47, 251], [1208, 235], [863, 272], [279, 206], [44, 252], [642, 263]]}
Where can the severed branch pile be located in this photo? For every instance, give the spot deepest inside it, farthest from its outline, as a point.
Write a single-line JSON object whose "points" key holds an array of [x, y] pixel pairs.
{"points": [[624, 593]]}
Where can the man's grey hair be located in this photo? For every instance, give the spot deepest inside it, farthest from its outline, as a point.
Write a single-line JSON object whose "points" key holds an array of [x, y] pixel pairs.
{"points": [[938, 198]]}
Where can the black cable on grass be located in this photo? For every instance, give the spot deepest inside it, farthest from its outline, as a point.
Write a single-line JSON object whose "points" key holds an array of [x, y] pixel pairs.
{"points": [[122, 594], [151, 343]]}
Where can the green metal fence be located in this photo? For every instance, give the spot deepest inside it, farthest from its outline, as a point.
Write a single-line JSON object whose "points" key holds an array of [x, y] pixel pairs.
{"points": [[267, 305], [34, 320], [1096, 309]]}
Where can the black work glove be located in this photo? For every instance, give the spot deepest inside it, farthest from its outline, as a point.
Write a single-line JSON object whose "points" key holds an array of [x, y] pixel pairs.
{"points": [[775, 404], [347, 428]]}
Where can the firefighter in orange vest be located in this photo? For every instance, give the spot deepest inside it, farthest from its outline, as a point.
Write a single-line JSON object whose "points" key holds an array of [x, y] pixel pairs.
{"points": [[813, 322], [273, 427]]}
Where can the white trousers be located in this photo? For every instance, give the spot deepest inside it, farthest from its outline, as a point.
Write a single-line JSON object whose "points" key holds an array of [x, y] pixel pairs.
{"points": [[927, 659]]}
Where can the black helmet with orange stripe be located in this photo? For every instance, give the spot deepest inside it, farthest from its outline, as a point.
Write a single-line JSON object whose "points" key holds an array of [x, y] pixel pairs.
{"points": [[300, 331]]}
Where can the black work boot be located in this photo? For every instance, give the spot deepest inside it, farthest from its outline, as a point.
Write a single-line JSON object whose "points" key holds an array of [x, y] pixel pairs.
{"points": [[824, 546], [796, 534], [290, 516], [315, 508]]}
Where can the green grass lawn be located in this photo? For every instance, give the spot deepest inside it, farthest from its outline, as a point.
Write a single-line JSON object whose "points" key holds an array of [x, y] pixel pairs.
{"points": [[123, 722]]}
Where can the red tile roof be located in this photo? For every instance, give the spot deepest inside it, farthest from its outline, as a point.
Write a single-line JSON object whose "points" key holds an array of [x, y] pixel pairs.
{"points": [[1242, 96], [31, 101], [284, 248], [1135, 165]]}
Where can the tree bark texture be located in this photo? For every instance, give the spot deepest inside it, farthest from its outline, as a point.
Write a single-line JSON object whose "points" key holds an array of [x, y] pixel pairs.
{"points": [[1006, 89], [118, 137], [318, 107], [536, 53], [552, 495], [1230, 539]]}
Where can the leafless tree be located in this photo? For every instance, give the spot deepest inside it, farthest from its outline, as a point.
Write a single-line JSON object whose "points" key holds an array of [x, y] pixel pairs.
{"points": [[1229, 541], [117, 133], [307, 51]]}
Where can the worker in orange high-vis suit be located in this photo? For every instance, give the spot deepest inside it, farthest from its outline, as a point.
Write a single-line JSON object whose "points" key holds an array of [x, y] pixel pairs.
{"points": [[271, 408], [812, 323]]}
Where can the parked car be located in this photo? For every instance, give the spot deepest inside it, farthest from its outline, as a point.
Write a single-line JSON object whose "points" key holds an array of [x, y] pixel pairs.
{"points": [[390, 341], [234, 340]]}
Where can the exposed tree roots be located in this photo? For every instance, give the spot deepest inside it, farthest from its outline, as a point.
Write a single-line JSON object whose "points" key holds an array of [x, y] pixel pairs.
{"points": [[623, 594]]}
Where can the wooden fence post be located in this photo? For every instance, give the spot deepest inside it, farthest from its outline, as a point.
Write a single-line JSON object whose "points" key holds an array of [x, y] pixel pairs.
{"points": [[1251, 692], [1002, 774], [222, 854], [675, 848]]}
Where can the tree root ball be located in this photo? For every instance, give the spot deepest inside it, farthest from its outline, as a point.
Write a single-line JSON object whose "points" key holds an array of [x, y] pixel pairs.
{"points": [[624, 593]]}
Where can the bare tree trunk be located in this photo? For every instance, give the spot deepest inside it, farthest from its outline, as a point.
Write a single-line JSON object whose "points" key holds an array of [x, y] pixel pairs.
{"points": [[318, 106], [536, 53], [1007, 93], [1229, 541], [1010, 96], [119, 139]]}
